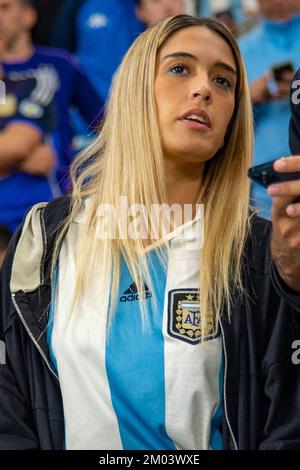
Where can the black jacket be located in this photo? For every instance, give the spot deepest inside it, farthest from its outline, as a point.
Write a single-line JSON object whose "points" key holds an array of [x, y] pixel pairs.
{"points": [[261, 392]]}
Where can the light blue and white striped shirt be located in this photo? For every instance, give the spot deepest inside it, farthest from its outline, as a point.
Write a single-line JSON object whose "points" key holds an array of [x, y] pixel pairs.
{"points": [[137, 388]]}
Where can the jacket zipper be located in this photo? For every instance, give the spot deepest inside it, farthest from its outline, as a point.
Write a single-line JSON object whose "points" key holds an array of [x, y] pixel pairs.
{"points": [[32, 337], [20, 313], [225, 390]]}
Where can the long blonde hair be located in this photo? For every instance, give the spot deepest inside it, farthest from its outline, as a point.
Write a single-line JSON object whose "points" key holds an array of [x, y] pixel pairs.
{"points": [[127, 159]]}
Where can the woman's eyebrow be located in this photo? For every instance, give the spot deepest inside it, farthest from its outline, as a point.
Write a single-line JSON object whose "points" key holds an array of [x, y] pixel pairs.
{"points": [[175, 55], [187, 55], [223, 65]]}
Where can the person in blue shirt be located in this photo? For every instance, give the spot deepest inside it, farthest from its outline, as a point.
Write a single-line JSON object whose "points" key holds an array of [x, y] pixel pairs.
{"points": [[125, 333], [57, 75], [99, 32], [275, 40], [127, 315], [206, 8], [26, 157], [110, 26]]}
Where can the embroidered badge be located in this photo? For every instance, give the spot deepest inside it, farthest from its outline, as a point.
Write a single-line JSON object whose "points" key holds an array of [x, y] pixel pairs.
{"points": [[185, 318], [30, 109]]}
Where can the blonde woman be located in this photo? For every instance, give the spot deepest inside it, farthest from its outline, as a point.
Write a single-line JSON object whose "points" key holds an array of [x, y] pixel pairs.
{"points": [[119, 336]]}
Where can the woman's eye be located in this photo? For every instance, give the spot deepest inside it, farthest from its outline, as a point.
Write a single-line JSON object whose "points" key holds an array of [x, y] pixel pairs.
{"points": [[178, 69], [224, 82]]}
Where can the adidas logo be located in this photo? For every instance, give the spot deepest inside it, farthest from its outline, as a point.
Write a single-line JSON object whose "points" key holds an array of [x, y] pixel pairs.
{"points": [[131, 294]]}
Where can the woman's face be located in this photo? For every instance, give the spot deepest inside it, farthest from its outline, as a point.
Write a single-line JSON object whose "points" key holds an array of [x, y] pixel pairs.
{"points": [[195, 94]]}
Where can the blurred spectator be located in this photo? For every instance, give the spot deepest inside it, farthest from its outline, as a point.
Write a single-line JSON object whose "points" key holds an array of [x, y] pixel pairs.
{"points": [[47, 12], [211, 7], [227, 17], [25, 159], [234, 13], [153, 11], [5, 236], [274, 41], [101, 31], [57, 76]]}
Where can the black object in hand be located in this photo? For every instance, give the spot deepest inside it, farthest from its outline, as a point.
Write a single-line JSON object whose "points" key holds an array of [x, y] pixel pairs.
{"points": [[265, 175], [280, 69]]}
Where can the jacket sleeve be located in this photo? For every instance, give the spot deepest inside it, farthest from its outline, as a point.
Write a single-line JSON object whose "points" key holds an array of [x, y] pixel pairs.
{"points": [[282, 389], [281, 369], [16, 420]]}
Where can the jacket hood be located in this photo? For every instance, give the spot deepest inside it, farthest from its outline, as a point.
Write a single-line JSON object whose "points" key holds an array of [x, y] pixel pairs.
{"points": [[26, 274], [31, 267]]}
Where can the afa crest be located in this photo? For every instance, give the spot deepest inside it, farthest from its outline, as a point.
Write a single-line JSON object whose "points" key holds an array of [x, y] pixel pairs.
{"points": [[185, 318]]}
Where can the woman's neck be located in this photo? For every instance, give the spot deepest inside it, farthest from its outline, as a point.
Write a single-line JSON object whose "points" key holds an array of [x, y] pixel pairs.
{"points": [[183, 182]]}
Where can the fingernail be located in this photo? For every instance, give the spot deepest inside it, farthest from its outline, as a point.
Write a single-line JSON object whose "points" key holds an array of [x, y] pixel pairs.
{"points": [[281, 163], [290, 210], [273, 190]]}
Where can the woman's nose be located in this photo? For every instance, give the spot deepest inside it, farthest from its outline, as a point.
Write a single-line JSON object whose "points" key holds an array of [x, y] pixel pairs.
{"points": [[202, 90]]}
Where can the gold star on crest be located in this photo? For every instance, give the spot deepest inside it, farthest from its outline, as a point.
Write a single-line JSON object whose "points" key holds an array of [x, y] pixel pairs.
{"points": [[190, 297]]}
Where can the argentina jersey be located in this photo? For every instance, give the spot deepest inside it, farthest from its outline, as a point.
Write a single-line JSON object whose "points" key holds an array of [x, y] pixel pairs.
{"points": [[145, 387]]}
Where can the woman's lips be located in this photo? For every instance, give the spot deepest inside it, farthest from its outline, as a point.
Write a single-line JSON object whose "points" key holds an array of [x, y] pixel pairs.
{"points": [[198, 126]]}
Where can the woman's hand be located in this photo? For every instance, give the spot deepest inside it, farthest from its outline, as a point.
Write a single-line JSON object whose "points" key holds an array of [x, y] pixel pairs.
{"points": [[285, 242]]}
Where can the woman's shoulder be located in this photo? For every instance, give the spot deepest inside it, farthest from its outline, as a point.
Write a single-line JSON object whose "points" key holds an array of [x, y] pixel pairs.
{"points": [[44, 220], [57, 210], [260, 227], [30, 251]]}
